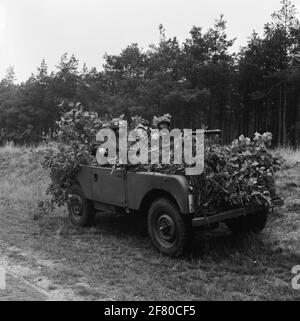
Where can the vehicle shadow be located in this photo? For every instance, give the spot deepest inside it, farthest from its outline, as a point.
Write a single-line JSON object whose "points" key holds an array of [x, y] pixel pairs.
{"points": [[219, 243], [134, 225]]}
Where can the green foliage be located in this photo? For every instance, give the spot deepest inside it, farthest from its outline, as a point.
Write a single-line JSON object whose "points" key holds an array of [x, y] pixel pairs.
{"points": [[240, 174], [75, 135], [75, 142]]}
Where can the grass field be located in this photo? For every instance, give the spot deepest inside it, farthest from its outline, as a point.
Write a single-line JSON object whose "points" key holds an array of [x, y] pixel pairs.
{"points": [[115, 259]]}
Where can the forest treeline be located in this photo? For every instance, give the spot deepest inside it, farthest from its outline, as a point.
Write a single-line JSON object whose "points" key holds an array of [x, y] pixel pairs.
{"points": [[200, 82]]}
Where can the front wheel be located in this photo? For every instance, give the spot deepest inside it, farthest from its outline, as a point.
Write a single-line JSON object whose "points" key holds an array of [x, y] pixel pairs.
{"points": [[169, 230], [251, 223], [81, 210]]}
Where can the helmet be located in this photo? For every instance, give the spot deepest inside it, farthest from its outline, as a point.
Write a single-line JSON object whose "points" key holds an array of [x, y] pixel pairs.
{"points": [[165, 119], [113, 124], [141, 126]]}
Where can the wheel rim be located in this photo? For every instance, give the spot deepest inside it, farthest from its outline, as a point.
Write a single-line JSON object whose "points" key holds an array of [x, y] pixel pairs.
{"points": [[165, 230], [76, 205]]}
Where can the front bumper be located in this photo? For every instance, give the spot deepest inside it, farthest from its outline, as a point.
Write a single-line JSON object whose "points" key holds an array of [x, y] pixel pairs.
{"points": [[223, 216]]}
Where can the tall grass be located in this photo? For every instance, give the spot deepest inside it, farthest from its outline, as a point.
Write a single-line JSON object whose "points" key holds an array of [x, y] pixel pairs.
{"points": [[10, 148], [290, 155]]}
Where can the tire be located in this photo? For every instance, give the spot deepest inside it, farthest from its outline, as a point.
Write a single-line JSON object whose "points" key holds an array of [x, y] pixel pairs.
{"points": [[252, 223], [169, 230], [81, 210]]}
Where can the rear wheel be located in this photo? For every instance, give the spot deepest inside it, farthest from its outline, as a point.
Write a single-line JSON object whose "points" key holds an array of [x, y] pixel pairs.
{"points": [[81, 210], [251, 223], [169, 230]]}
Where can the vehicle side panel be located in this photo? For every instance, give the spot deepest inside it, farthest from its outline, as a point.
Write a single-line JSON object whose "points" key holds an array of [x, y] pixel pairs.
{"points": [[129, 189], [100, 185], [140, 184], [108, 187], [84, 178]]}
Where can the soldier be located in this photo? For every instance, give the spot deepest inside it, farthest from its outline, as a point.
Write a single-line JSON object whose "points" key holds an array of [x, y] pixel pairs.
{"points": [[163, 122]]}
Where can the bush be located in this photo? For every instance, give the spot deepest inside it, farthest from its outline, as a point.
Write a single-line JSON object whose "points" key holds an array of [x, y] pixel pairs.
{"points": [[238, 175]]}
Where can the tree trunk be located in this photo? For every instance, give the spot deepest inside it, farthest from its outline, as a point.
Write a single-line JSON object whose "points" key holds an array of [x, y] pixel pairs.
{"points": [[279, 133], [297, 127], [284, 133]]}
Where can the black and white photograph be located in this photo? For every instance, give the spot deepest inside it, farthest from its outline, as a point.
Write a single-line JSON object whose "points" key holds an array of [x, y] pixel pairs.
{"points": [[149, 153]]}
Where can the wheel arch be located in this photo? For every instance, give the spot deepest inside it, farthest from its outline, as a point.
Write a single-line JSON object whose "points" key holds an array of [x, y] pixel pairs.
{"points": [[156, 194]]}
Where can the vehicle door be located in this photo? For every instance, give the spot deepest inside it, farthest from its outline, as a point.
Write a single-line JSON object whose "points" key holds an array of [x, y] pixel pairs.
{"points": [[108, 186]]}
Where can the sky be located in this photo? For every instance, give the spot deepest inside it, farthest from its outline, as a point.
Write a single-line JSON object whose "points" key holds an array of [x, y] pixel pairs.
{"points": [[32, 30]]}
